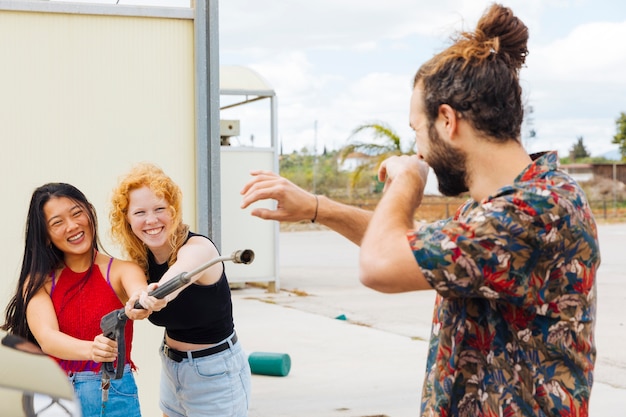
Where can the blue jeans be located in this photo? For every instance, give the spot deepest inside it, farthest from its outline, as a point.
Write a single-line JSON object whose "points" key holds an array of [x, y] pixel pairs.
{"points": [[217, 385], [123, 397]]}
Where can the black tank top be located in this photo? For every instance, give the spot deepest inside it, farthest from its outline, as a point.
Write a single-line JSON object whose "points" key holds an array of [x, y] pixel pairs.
{"points": [[201, 314]]}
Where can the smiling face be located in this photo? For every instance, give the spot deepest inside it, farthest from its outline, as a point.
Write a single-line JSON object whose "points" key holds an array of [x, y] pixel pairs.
{"points": [[69, 228], [150, 219]]}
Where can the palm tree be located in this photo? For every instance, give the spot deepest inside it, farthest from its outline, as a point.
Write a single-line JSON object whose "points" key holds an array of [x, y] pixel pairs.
{"points": [[376, 151]]}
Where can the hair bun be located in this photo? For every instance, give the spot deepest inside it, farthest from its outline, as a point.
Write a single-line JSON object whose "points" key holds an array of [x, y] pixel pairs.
{"points": [[507, 34]]}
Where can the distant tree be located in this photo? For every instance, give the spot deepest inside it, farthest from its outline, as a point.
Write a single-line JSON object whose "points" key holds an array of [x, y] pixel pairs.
{"points": [[303, 170], [589, 160], [579, 151], [620, 136], [378, 150]]}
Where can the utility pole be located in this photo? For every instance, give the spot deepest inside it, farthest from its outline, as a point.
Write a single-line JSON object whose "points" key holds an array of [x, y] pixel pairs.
{"points": [[528, 132], [314, 157]]}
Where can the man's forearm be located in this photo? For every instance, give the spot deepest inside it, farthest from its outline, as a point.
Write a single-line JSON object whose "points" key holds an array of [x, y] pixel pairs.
{"points": [[349, 221], [386, 261]]}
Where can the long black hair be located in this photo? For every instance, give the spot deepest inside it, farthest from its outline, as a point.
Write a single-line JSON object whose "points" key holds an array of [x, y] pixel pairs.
{"points": [[41, 257]]}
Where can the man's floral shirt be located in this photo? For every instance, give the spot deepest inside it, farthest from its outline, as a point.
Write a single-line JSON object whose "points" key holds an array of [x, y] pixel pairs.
{"points": [[516, 305]]}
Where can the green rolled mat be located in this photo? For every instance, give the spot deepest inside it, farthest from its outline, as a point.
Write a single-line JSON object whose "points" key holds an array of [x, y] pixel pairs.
{"points": [[269, 363]]}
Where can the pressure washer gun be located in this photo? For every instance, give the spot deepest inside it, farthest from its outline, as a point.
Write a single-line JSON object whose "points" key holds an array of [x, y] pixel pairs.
{"points": [[113, 324]]}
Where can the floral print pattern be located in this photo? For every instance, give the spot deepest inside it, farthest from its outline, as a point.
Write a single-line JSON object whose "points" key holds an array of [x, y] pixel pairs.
{"points": [[512, 331]]}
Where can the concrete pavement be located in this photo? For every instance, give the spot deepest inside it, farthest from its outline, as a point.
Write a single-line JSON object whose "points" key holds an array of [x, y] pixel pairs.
{"points": [[372, 363]]}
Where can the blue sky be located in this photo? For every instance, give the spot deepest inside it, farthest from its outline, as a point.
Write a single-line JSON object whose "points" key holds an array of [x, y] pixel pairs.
{"points": [[345, 63], [337, 64]]}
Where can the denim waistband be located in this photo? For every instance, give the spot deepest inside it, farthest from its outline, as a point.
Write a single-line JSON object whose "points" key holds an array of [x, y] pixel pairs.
{"points": [[90, 375]]}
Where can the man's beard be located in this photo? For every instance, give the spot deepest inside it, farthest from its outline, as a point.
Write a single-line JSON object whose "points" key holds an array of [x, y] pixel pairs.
{"points": [[448, 164]]}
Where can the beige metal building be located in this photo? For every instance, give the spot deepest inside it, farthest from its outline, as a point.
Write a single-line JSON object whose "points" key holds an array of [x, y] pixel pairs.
{"points": [[87, 90]]}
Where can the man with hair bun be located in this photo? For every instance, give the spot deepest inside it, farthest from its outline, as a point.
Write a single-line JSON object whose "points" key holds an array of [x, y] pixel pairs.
{"points": [[514, 269]]}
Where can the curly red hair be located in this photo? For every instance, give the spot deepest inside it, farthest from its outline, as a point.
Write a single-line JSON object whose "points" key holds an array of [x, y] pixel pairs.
{"points": [[151, 176]]}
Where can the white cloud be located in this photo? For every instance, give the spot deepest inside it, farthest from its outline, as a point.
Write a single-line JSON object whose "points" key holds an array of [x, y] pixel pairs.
{"points": [[330, 24], [577, 87], [593, 52], [349, 62], [557, 134]]}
